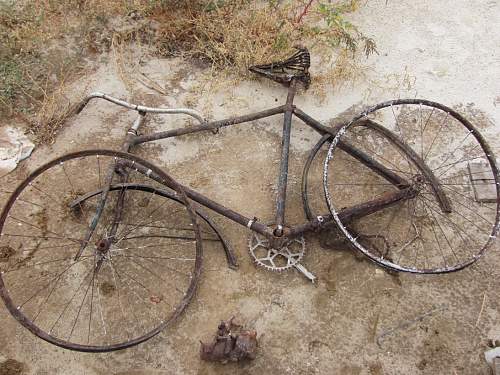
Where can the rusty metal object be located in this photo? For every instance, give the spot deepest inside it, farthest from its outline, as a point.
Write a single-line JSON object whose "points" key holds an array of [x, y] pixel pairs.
{"points": [[295, 68], [102, 249], [424, 183], [232, 343], [228, 249], [139, 108], [285, 150], [212, 126], [281, 257]]}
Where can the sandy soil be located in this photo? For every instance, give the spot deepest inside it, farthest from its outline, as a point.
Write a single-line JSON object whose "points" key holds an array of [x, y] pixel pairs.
{"points": [[358, 319]]}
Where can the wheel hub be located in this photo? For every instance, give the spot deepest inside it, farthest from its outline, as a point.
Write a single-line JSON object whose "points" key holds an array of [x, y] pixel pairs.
{"points": [[419, 182], [102, 246]]}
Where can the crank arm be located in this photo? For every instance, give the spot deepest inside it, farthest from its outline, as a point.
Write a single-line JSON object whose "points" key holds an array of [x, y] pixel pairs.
{"points": [[305, 272]]}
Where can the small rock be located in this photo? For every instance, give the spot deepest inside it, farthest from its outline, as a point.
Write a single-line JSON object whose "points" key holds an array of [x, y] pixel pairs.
{"points": [[490, 356], [5, 253]]}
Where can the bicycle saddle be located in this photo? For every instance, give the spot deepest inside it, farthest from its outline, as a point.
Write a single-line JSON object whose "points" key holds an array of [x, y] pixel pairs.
{"points": [[295, 67]]}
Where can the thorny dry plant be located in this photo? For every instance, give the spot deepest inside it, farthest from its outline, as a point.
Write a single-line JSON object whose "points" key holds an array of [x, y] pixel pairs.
{"points": [[47, 43], [236, 34]]}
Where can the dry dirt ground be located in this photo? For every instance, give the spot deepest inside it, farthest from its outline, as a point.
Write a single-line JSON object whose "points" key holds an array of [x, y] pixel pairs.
{"points": [[357, 319]]}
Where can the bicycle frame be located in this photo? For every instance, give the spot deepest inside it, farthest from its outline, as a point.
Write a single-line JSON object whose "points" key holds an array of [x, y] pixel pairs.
{"points": [[49, 210], [277, 233]]}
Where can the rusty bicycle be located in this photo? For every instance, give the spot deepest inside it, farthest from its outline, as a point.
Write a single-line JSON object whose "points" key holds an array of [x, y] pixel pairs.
{"points": [[101, 250]]}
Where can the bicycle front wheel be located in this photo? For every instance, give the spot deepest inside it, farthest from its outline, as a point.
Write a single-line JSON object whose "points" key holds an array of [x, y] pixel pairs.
{"points": [[132, 277], [451, 215]]}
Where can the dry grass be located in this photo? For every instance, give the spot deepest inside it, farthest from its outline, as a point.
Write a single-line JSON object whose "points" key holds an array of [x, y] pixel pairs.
{"points": [[236, 34], [53, 111], [47, 42], [44, 45]]}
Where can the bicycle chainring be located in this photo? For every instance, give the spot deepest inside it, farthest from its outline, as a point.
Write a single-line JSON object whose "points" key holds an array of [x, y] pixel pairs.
{"points": [[282, 259]]}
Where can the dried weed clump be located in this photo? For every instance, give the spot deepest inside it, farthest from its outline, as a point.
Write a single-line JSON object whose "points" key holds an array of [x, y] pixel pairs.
{"points": [[37, 57], [46, 43], [235, 34]]}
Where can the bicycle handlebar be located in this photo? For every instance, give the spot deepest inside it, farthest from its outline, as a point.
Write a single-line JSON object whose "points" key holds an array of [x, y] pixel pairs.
{"points": [[140, 108]]}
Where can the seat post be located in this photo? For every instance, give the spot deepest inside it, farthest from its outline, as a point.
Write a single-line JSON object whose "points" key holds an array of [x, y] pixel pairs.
{"points": [[285, 148]]}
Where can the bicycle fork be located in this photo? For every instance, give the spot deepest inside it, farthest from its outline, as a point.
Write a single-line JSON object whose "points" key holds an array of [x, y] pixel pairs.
{"points": [[104, 244]]}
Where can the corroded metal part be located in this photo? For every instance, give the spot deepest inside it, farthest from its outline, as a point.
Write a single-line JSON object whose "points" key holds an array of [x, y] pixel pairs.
{"points": [[294, 68], [232, 343], [425, 175], [140, 108], [228, 249], [273, 258], [268, 237], [191, 288]]}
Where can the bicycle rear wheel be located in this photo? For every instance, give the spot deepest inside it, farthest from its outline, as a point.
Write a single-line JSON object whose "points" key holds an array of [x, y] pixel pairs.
{"points": [[454, 216], [128, 283]]}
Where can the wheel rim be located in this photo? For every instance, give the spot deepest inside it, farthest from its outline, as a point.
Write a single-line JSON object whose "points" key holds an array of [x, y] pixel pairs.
{"points": [[435, 241], [124, 289]]}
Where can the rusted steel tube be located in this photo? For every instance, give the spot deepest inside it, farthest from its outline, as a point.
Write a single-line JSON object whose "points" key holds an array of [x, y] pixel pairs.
{"points": [[371, 163], [206, 202], [186, 111], [367, 208], [355, 212], [214, 125], [285, 150], [316, 125], [227, 212]]}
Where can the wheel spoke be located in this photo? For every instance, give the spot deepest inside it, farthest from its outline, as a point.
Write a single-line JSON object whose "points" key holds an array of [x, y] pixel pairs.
{"points": [[70, 300], [455, 211], [466, 197], [453, 152], [437, 240], [472, 211], [49, 283], [438, 133], [444, 235], [119, 296]]}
